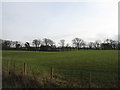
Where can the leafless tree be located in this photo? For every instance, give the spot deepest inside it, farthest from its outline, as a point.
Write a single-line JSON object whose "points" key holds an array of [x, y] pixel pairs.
{"points": [[48, 42], [62, 43], [97, 44], [77, 42], [36, 42], [91, 45]]}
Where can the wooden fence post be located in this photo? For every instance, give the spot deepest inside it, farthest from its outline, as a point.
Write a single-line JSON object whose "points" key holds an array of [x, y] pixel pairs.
{"points": [[24, 71], [7, 66], [14, 67], [51, 72], [89, 80], [8, 70]]}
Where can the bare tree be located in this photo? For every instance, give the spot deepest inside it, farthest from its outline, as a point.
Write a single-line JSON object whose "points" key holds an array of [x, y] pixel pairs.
{"points": [[37, 43], [48, 42], [62, 43], [6, 44], [91, 45], [108, 41], [97, 44], [114, 44], [111, 42], [13, 44], [77, 42], [83, 43], [17, 44]]}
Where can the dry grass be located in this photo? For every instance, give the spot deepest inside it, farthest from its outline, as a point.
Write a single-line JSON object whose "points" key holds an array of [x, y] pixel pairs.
{"points": [[14, 80]]}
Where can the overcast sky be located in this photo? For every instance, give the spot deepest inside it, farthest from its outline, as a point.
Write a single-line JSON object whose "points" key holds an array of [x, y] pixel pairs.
{"points": [[90, 21]]}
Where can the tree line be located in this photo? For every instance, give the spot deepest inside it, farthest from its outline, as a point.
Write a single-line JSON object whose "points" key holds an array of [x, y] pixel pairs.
{"points": [[49, 45]]}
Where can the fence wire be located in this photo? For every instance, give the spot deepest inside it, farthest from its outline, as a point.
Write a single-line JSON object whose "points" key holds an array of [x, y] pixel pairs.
{"points": [[75, 78]]}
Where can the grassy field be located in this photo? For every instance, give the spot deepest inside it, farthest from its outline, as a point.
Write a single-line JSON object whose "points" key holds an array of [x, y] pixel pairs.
{"points": [[102, 64]]}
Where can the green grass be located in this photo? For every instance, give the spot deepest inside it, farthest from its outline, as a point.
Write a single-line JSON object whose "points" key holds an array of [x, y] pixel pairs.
{"points": [[102, 64]]}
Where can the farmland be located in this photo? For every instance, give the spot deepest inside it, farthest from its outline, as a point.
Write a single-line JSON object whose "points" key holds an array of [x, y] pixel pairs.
{"points": [[101, 64]]}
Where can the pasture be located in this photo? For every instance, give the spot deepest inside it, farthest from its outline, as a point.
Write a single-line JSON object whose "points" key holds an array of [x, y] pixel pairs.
{"points": [[100, 66]]}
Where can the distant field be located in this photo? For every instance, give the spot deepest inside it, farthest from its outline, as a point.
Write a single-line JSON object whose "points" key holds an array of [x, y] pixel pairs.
{"points": [[102, 64]]}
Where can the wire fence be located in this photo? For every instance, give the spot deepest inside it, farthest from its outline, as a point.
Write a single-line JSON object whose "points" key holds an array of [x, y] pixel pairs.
{"points": [[70, 77]]}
